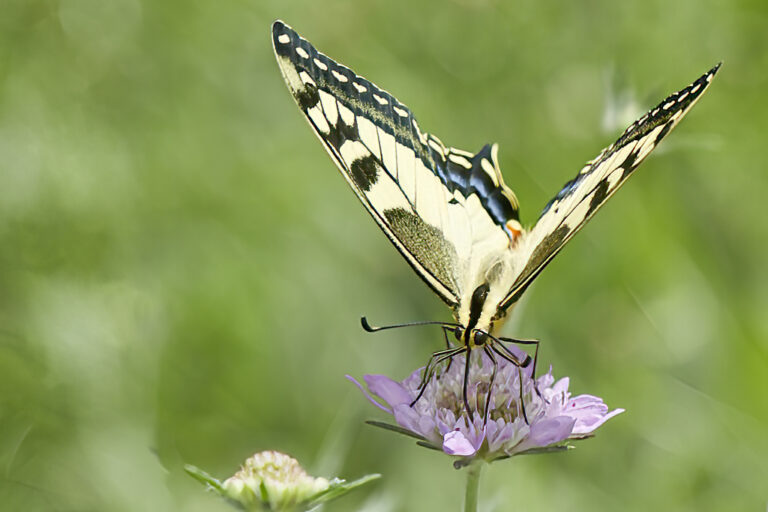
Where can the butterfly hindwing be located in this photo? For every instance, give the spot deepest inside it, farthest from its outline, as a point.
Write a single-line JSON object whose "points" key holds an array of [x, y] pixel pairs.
{"points": [[582, 196], [439, 206]]}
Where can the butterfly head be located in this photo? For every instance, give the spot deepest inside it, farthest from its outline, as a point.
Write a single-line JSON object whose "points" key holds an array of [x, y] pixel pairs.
{"points": [[473, 338]]}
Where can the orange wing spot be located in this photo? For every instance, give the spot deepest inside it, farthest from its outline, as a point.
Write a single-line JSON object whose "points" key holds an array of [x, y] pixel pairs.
{"points": [[515, 228]]}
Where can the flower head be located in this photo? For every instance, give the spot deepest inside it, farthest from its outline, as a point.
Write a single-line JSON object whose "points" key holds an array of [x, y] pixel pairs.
{"points": [[274, 478], [439, 418], [276, 482]]}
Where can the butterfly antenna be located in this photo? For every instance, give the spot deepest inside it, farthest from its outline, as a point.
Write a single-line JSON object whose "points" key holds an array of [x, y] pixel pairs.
{"points": [[369, 328]]}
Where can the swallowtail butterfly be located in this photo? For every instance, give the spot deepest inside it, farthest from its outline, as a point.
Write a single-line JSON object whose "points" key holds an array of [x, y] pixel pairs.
{"points": [[446, 210]]}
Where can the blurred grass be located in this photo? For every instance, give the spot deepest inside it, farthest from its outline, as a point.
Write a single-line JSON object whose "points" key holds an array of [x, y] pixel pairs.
{"points": [[182, 271]]}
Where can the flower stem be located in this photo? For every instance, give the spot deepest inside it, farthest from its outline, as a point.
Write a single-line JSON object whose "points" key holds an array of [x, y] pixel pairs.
{"points": [[473, 482]]}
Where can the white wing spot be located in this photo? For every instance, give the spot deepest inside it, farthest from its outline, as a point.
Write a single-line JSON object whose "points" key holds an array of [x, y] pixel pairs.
{"points": [[458, 159], [487, 166], [284, 38], [341, 78], [495, 158], [388, 150], [709, 77], [461, 152], [682, 97], [613, 178], [361, 89], [353, 150], [329, 106], [434, 145], [347, 115], [400, 112], [367, 131], [422, 137], [301, 52], [306, 78], [655, 111], [320, 64], [318, 119], [580, 212], [439, 143], [695, 88], [647, 143], [667, 105], [381, 100]]}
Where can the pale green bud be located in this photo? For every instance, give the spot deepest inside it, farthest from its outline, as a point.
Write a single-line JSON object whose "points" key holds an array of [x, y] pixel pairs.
{"points": [[273, 479], [275, 482]]}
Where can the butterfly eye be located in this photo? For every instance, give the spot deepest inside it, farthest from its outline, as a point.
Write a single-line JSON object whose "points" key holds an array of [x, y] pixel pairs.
{"points": [[458, 331], [480, 338]]}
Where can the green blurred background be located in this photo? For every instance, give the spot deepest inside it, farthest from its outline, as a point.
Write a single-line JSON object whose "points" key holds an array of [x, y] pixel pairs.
{"points": [[182, 270]]}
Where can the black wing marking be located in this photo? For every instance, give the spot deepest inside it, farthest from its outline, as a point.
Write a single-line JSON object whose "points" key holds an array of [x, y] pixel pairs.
{"points": [[582, 196], [416, 190]]}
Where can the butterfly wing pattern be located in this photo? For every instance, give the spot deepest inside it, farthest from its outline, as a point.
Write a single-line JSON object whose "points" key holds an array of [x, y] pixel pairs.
{"points": [[448, 211], [443, 208], [580, 198]]}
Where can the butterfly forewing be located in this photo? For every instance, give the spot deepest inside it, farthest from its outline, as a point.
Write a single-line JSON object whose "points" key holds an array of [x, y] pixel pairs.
{"points": [[582, 196], [441, 207]]}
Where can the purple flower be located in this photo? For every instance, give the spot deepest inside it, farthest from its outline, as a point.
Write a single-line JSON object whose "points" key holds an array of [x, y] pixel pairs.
{"points": [[439, 418]]}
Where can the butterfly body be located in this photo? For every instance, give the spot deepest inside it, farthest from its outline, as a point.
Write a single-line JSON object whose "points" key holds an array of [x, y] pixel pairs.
{"points": [[448, 211]]}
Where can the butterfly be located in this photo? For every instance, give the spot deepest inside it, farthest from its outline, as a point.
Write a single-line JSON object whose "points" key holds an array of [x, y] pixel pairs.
{"points": [[446, 210]]}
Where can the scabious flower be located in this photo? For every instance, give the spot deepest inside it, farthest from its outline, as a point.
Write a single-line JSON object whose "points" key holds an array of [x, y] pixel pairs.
{"points": [[439, 419], [274, 478], [274, 481]]}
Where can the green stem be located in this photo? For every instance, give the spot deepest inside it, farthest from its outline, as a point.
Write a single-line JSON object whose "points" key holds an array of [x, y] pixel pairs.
{"points": [[473, 482]]}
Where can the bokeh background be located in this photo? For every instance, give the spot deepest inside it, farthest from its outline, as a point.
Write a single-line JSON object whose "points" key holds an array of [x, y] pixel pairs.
{"points": [[182, 270]]}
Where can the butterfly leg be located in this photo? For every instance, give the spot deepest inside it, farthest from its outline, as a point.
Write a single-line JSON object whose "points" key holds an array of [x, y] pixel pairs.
{"points": [[489, 353], [466, 383], [447, 345], [428, 369], [512, 358], [535, 359], [434, 361], [522, 399]]}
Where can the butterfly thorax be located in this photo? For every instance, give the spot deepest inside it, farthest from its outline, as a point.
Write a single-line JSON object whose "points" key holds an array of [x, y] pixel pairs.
{"points": [[478, 310]]}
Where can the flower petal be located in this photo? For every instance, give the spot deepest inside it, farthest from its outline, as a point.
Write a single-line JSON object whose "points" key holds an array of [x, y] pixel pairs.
{"points": [[454, 443], [561, 386], [387, 389], [446, 420], [408, 418], [587, 420], [590, 412], [497, 432], [475, 432], [548, 431], [367, 395], [546, 380]]}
